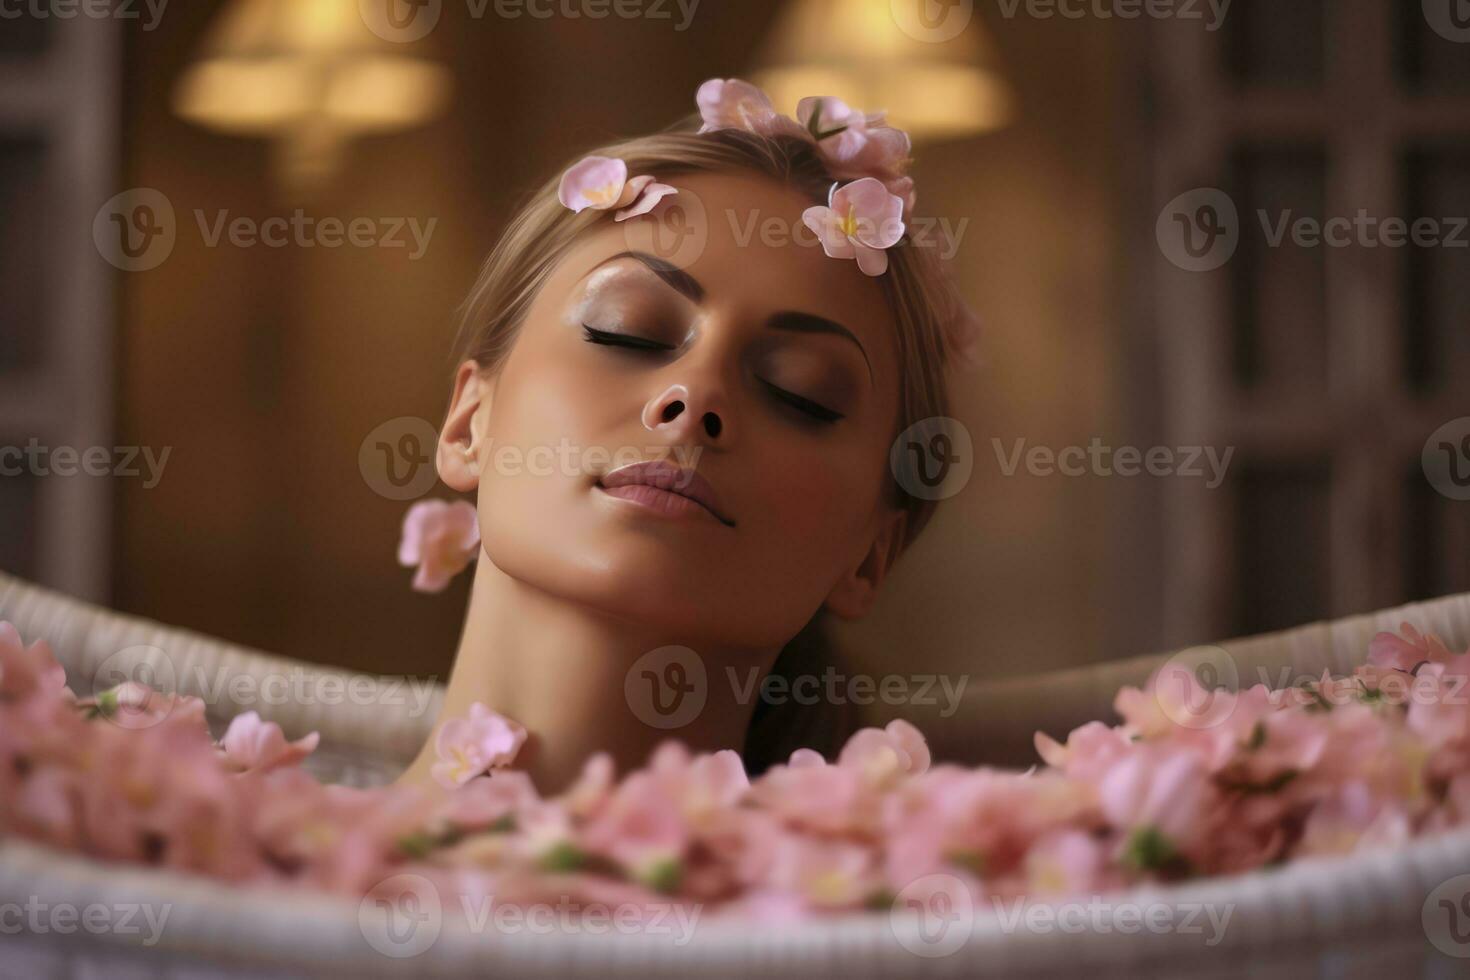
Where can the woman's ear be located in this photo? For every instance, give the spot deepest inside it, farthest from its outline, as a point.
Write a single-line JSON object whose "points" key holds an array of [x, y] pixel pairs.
{"points": [[460, 444], [857, 590]]}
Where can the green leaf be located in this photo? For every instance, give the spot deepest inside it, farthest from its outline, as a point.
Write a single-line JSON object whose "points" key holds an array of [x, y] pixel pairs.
{"points": [[1149, 849], [973, 861], [563, 856], [664, 876], [1257, 737]]}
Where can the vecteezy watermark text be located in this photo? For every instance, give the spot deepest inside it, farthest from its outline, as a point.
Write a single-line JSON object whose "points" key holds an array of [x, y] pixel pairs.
{"points": [[833, 687], [137, 230], [39, 917], [120, 461], [150, 11], [306, 231], [1212, 12], [1200, 230], [668, 688], [1097, 459], [403, 916], [406, 21]]}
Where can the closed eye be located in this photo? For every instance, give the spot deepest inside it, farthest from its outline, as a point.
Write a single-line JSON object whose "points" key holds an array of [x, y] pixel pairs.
{"points": [[819, 412], [610, 338], [613, 339]]}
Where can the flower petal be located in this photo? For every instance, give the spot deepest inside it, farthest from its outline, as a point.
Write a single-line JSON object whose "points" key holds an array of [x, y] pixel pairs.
{"points": [[593, 182], [646, 201]]}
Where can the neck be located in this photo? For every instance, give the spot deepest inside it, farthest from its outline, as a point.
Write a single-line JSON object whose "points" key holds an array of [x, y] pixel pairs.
{"points": [[560, 669]]}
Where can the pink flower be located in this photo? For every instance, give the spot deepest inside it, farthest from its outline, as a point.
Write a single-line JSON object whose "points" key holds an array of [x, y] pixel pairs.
{"points": [[839, 130], [1065, 862], [642, 827], [441, 538], [809, 793], [858, 144], [250, 743], [861, 220], [1162, 788], [884, 754], [468, 747], [1408, 649], [1089, 750], [823, 873], [483, 803], [602, 183], [730, 103], [26, 670], [593, 786], [1352, 818]]}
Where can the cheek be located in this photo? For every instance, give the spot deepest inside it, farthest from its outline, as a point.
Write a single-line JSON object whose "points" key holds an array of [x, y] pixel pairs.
{"points": [[821, 500], [535, 428]]}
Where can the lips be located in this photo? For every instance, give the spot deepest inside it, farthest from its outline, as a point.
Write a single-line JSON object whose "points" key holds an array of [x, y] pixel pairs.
{"points": [[665, 476]]}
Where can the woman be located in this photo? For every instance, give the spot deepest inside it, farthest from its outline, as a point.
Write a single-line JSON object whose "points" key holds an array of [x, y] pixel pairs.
{"points": [[704, 325]]}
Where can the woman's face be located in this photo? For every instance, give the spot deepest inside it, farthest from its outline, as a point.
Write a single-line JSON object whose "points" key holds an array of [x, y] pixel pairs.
{"points": [[763, 365]]}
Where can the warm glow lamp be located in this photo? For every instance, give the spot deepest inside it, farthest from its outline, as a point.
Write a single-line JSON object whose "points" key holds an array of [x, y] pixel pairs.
{"points": [[309, 74], [930, 64]]}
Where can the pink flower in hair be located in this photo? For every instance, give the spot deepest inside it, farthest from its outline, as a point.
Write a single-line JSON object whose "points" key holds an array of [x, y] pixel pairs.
{"points": [[861, 220], [250, 743], [840, 131], [602, 183], [858, 144], [468, 747], [730, 103], [441, 538]]}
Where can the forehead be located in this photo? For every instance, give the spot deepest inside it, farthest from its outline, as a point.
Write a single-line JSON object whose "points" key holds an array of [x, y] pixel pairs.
{"points": [[741, 236]]}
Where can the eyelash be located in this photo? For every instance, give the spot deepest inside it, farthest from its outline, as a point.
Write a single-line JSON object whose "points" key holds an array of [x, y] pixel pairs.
{"points": [[808, 408]]}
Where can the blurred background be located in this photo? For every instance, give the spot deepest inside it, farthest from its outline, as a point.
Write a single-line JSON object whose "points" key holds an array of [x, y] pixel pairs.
{"points": [[1133, 186]]}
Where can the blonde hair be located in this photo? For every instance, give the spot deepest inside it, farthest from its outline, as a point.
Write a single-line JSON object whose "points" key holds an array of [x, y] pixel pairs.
{"points": [[920, 295]]}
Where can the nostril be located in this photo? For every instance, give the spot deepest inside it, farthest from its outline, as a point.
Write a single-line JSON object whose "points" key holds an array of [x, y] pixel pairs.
{"points": [[712, 423], [671, 411]]}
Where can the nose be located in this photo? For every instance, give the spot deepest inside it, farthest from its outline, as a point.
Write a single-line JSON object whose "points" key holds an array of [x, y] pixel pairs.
{"points": [[685, 415]]}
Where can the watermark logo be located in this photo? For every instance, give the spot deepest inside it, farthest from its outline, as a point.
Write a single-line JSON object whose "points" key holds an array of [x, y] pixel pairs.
{"points": [[1446, 917], [406, 21], [933, 916], [135, 230], [778, 231], [400, 21], [401, 916], [933, 21], [123, 684], [143, 665], [667, 688], [676, 230], [1450, 19], [1446, 459], [396, 459], [933, 458], [1190, 688], [1199, 230]]}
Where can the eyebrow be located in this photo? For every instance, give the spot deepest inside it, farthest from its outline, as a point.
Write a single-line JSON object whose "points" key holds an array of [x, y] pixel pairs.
{"points": [[790, 320], [667, 271], [811, 323]]}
